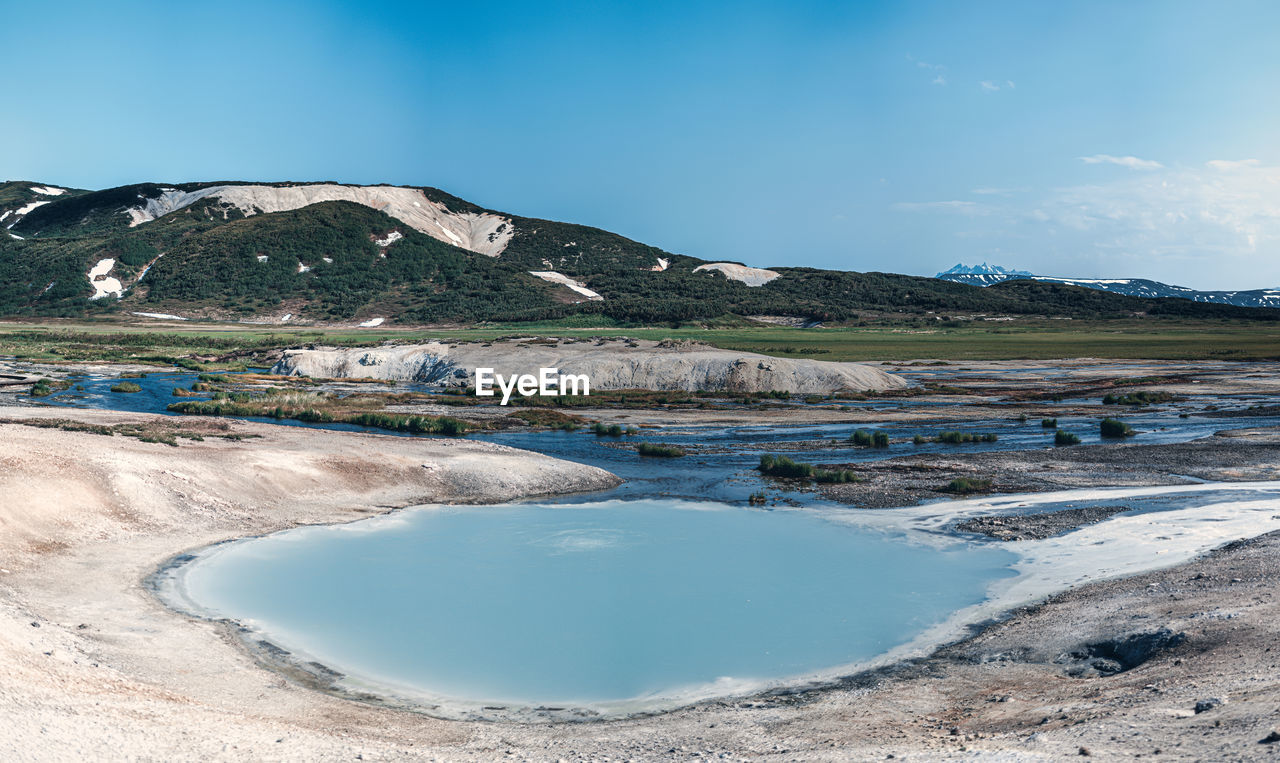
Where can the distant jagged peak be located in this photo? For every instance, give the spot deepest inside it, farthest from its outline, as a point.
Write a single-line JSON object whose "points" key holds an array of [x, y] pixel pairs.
{"points": [[984, 269]]}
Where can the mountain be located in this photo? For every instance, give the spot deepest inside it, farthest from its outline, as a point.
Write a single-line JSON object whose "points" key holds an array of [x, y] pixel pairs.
{"points": [[980, 275], [331, 252], [986, 275]]}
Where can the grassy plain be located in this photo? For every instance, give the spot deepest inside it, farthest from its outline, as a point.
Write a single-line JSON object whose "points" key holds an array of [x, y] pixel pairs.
{"points": [[1165, 339]]}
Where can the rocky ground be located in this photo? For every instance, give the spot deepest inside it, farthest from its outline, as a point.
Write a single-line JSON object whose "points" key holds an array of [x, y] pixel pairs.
{"points": [[1037, 526], [1178, 664]]}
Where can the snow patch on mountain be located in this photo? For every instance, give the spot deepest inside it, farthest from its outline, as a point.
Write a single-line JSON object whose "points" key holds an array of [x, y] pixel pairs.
{"points": [[104, 285], [482, 233], [563, 280], [662, 265], [160, 316], [28, 208], [48, 190], [732, 271]]}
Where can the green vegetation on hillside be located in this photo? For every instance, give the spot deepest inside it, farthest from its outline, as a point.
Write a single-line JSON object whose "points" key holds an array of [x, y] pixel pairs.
{"points": [[321, 262]]}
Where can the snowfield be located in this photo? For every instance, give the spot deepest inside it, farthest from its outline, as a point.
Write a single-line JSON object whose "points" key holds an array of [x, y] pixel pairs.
{"points": [[748, 276], [372, 322], [564, 280], [160, 316], [391, 238], [103, 284], [480, 233], [48, 190], [29, 207]]}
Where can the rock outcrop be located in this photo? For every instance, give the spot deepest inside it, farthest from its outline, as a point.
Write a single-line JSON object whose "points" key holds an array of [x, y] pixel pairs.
{"points": [[609, 364]]}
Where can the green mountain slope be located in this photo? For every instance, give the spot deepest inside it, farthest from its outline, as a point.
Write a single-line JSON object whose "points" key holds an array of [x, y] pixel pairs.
{"points": [[215, 250]]}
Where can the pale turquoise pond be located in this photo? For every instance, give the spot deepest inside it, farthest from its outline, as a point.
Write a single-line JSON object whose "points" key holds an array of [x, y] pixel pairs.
{"points": [[605, 604]]}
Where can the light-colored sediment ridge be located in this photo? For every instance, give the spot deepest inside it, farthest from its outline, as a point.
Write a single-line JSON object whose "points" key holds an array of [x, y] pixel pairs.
{"points": [[611, 365]]}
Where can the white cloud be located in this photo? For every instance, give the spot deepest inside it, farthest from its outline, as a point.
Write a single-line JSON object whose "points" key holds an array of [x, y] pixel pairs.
{"points": [[1228, 165], [1210, 226], [1009, 84], [939, 80], [1132, 162], [989, 86]]}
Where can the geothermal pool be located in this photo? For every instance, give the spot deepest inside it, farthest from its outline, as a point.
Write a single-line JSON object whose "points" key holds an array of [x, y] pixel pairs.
{"points": [[615, 606]]}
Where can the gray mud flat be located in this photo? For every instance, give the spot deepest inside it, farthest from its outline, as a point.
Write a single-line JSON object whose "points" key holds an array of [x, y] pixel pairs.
{"points": [[1236, 455]]}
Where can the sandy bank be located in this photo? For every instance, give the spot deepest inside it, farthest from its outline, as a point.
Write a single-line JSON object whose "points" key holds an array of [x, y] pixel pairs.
{"points": [[92, 666]]}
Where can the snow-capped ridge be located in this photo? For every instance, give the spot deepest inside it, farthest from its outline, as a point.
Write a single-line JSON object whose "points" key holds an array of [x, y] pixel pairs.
{"points": [[482, 233], [988, 275]]}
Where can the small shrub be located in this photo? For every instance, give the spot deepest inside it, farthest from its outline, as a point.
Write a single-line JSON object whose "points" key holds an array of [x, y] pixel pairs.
{"points": [[1137, 398], [659, 451], [864, 439], [542, 417], [182, 392], [1049, 423], [784, 468], [1065, 438], [606, 430], [957, 438], [1116, 428], [126, 387], [966, 485], [919, 439]]}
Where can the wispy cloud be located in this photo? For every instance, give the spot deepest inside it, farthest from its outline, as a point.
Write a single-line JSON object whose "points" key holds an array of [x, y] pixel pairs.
{"points": [[1132, 162], [937, 70], [1229, 164], [969, 208], [991, 86]]}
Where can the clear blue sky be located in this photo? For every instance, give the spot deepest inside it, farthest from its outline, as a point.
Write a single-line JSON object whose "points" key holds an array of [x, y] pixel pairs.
{"points": [[1074, 138]]}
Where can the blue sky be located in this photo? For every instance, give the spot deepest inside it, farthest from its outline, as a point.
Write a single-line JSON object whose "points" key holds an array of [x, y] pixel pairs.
{"points": [[1085, 139]]}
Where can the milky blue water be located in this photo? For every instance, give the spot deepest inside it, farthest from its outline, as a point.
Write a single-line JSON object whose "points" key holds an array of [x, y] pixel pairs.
{"points": [[539, 604]]}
